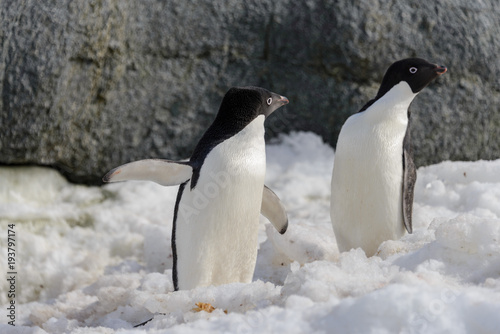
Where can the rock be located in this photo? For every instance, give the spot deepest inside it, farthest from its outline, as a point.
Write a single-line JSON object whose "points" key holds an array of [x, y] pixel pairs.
{"points": [[89, 85]]}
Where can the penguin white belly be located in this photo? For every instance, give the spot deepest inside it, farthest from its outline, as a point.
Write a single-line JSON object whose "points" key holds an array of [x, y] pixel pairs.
{"points": [[367, 180], [217, 222]]}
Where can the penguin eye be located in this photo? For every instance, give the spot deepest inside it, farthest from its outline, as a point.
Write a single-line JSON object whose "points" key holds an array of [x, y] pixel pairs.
{"points": [[269, 101], [413, 70]]}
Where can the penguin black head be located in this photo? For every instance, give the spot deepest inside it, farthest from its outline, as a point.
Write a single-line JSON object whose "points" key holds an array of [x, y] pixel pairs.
{"points": [[239, 107], [249, 102], [417, 72]]}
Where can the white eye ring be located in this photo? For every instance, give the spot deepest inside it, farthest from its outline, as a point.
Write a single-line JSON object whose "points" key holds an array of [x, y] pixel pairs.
{"points": [[269, 101], [413, 70]]}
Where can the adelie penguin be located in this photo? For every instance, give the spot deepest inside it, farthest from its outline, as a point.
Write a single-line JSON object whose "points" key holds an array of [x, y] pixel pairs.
{"points": [[221, 193], [374, 174]]}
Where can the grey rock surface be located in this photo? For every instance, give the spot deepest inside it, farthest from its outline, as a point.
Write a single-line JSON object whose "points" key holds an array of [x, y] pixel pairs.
{"points": [[89, 85]]}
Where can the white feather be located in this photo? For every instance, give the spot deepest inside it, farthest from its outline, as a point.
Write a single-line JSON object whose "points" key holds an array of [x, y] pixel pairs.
{"points": [[366, 201]]}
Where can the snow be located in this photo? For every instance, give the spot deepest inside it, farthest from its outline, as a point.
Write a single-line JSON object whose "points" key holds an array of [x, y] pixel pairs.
{"points": [[98, 259]]}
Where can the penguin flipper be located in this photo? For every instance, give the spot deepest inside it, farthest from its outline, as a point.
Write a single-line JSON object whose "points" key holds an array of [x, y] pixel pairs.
{"points": [[409, 179], [273, 210], [163, 172]]}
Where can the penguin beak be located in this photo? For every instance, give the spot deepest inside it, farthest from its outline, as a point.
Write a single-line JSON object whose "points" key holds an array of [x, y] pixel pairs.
{"points": [[283, 100], [440, 69], [278, 102]]}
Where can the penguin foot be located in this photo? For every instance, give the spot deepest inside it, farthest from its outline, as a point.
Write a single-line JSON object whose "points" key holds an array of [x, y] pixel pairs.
{"points": [[207, 307]]}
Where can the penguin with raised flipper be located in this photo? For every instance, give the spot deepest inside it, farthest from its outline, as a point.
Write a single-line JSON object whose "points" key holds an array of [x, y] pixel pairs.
{"points": [[373, 174], [221, 193]]}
